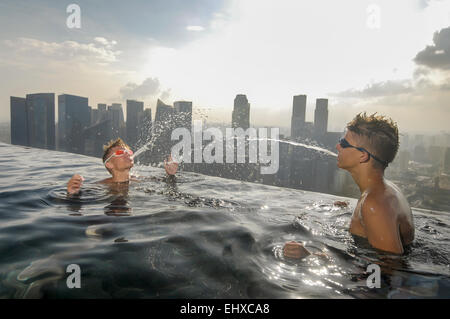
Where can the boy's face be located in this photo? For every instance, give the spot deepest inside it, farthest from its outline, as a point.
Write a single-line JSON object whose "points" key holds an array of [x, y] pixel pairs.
{"points": [[119, 162], [349, 157]]}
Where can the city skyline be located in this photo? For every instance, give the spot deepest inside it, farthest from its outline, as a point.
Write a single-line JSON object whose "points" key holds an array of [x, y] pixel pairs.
{"points": [[84, 130], [358, 56], [298, 117]]}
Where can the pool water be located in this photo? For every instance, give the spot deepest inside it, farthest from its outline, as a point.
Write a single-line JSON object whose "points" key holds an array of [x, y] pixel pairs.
{"points": [[198, 237]]}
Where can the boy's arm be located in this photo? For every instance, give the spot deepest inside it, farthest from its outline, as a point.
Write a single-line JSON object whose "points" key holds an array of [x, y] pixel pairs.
{"points": [[293, 249], [74, 184], [380, 226], [170, 166]]}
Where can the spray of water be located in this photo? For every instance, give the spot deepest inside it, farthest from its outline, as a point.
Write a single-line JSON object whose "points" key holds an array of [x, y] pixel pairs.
{"points": [[312, 147]]}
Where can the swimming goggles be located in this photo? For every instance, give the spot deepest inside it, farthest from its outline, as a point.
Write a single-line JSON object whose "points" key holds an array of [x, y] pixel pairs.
{"points": [[119, 153], [344, 144]]}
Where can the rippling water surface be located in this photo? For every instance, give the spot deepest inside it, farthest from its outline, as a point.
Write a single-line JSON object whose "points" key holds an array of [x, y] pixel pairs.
{"points": [[201, 237]]}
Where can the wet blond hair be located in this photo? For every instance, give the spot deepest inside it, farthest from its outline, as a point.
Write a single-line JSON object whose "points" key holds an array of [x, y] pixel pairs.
{"points": [[113, 143], [379, 135]]}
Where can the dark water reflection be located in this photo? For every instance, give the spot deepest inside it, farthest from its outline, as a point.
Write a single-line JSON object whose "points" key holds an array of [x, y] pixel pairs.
{"points": [[196, 237]]}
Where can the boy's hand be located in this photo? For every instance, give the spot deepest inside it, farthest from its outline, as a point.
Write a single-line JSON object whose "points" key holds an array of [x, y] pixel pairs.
{"points": [[341, 204], [170, 166], [74, 184], [293, 249]]}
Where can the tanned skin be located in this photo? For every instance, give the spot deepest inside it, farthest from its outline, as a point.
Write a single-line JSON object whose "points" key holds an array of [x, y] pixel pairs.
{"points": [[120, 167], [382, 214]]}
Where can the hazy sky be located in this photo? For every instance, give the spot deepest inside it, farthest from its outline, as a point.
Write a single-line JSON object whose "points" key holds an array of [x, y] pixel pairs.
{"points": [[390, 57]]}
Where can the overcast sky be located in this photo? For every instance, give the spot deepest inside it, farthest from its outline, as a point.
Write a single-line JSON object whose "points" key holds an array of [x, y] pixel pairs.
{"points": [[390, 57]]}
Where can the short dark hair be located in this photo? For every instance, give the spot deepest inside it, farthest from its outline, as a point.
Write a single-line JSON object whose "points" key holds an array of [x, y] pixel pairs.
{"points": [[380, 135]]}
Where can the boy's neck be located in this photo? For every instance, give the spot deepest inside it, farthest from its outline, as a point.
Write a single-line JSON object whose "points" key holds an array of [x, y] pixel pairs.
{"points": [[367, 178], [120, 176]]}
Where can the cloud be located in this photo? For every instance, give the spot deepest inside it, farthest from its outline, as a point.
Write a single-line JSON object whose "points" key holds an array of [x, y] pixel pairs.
{"points": [[149, 87], [379, 89], [436, 56], [426, 3], [105, 42], [101, 51], [195, 28], [165, 94]]}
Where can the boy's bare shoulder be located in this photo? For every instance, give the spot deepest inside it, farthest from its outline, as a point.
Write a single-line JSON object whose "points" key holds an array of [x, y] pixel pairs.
{"points": [[379, 204], [387, 201]]}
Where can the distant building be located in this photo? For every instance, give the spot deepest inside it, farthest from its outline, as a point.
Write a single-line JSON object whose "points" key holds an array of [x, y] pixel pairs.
{"points": [[436, 155], [41, 124], [330, 139], [301, 173], [115, 114], [321, 117], [403, 160], [145, 128], [157, 135], [183, 110], [94, 116], [162, 131], [404, 141], [164, 112], [420, 154], [134, 111], [321, 173], [298, 116], [19, 126], [241, 112], [102, 112], [95, 137], [35, 116], [447, 160], [308, 129], [344, 185], [283, 174], [73, 117]]}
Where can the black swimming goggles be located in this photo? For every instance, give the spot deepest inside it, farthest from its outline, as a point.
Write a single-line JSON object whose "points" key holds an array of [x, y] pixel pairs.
{"points": [[344, 144]]}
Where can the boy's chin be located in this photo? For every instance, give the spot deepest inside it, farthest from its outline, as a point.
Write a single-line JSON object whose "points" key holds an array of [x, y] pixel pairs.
{"points": [[339, 165]]}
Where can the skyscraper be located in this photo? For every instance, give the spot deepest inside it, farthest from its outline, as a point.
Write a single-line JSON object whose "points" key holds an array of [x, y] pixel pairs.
{"points": [[298, 115], [95, 137], [184, 114], [102, 112], [19, 126], [162, 130], [447, 160], [134, 111], [321, 117], [145, 127], [163, 112], [73, 118], [241, 112], [41, 120], [33, 120], [115, 114], [94, 116]]}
